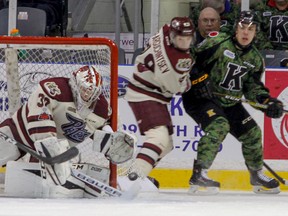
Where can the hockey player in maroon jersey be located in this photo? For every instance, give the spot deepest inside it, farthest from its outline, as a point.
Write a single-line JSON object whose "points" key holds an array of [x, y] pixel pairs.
{"points": [[61, 113], [161, 71]]}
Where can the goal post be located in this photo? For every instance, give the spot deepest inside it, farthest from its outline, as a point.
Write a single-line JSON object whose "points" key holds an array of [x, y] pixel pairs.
{"points": [[24, 61]]}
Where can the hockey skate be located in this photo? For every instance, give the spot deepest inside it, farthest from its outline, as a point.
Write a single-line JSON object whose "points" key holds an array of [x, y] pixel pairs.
{"points": [[201, 184], [262, 184]]}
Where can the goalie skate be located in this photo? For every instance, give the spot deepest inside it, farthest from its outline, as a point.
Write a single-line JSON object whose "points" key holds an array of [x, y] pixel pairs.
{"points": [[201, 184], [262, 184]]}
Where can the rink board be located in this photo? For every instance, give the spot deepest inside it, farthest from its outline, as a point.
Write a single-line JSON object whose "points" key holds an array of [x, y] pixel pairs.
{"points": [[230, 180]]}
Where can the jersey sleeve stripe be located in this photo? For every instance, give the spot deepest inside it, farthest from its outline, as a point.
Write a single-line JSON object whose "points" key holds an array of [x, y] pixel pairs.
{"points": [[36, 118], [42, 130], [151, 94], [146, 83], [146, 158], [22, 125]]}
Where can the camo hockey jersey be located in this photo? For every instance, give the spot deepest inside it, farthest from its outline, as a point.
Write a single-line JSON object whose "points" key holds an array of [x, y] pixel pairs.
{"points": [[51, 111], [160, 71], [232, 71], [274, 24]]}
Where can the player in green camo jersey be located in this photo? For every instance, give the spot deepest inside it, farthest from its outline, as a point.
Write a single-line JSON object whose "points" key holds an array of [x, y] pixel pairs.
{"points": [[233, 67], [273, 17]]}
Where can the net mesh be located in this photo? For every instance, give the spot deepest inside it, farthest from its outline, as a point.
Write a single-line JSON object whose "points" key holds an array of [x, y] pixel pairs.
{"points": [[35, 62]]}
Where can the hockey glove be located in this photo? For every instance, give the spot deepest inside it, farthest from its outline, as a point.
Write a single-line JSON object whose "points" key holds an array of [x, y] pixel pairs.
{"points": [[200, 85], [274, 107], [118, 147]]}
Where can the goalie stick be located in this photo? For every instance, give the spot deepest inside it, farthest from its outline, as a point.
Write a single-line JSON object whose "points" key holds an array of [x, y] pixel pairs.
{"points": [[65, 156], [111, 191], [279, 178], [243, 100]]}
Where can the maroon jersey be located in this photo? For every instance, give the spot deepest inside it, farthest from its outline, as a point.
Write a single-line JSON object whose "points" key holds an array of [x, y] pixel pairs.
{"points": [[51, 111], [160, 71]]}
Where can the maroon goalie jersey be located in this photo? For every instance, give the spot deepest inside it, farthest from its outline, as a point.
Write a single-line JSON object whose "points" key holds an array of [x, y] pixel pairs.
{"points": [[160, 71], [51, 111]]}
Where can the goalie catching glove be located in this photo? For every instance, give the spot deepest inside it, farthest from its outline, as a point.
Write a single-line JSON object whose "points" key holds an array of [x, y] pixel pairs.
{"points": [[274, 106], [118, 147], [200, 85]]}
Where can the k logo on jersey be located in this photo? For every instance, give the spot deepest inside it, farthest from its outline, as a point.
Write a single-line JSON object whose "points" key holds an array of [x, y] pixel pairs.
{"points": [[75, 129], [278, 29]]}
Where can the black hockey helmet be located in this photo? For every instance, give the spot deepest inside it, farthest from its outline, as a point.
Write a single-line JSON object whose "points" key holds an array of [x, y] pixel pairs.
{"points": [[247, 17]]}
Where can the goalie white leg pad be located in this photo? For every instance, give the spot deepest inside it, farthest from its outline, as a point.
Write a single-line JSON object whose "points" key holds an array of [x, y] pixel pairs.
{"points": [[24, 180], [97, 172], [20, 180], [8, 152]]}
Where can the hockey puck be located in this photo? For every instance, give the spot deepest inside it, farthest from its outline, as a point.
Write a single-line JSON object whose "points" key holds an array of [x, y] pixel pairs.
{"points": [[133, 176]]}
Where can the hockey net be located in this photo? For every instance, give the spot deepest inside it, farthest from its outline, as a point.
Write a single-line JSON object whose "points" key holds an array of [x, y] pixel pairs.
{"points": [[24, 61]]}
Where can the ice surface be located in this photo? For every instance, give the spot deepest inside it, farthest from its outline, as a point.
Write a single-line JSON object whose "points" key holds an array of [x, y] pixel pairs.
{"points": [[164, 203]]}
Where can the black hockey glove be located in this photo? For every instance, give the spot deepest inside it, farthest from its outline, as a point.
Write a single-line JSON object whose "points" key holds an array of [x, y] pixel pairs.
{"points": [[274, 107], [200, 85]]}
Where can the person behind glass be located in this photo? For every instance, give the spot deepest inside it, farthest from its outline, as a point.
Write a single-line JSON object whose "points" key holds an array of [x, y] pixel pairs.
{"points": [[224, 8], [209, 21], [273, 16], [161, 71], [229, 65]]}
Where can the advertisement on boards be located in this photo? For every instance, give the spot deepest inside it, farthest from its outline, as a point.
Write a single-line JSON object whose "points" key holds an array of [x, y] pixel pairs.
{"points": [[276, 130]]}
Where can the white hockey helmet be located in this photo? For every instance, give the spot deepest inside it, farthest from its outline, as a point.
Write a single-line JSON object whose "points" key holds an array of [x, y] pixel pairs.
{"points": [[86, 85]]}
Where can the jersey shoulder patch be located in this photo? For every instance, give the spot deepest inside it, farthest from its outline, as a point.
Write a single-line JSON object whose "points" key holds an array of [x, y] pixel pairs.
{"points": [[213, 34], [57, 88]]}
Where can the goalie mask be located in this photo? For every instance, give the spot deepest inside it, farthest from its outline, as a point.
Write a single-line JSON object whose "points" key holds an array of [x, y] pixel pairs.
{"points": [[86, 86], [181, 32]]}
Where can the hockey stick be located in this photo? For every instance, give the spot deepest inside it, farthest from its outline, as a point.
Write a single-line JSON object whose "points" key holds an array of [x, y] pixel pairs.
{"points": [[243, 100], [111, 191], [65, 156], [279, 178]]}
